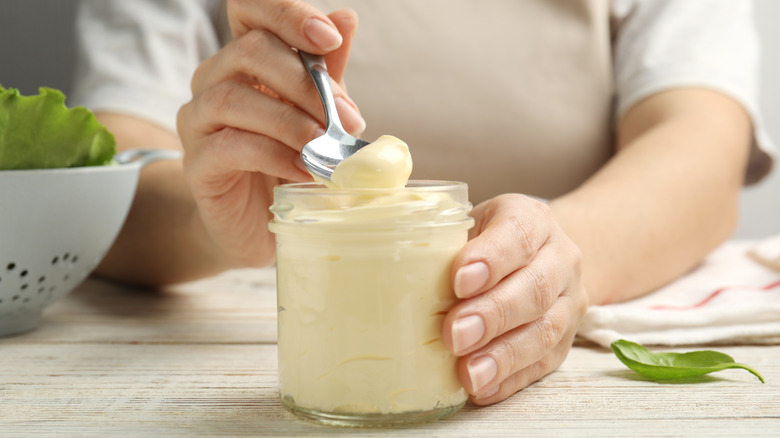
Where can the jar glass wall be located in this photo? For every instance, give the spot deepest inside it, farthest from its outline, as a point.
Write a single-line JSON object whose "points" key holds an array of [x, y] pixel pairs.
{"points": [[363, 281]]}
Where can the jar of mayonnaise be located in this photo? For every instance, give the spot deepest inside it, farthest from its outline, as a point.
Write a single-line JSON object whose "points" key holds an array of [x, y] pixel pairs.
{"points": [[363, 283]]}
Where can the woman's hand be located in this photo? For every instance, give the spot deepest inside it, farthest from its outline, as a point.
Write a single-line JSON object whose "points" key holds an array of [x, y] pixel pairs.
{"points": [[253, 108], [523, 298]]}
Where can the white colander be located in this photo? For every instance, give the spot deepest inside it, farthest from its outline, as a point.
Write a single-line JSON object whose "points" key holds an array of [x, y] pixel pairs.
{"points": [[55, 227]]}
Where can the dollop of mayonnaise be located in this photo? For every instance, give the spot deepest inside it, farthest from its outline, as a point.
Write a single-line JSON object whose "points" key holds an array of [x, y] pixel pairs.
{"points": [[384, 164]]}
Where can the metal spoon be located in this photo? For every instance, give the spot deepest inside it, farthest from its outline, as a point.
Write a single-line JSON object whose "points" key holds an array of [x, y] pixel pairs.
{"points": [[324, 153]]}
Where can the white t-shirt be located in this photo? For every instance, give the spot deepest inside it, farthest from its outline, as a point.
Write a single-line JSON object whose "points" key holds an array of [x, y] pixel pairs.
{"points": [[507, 95]]}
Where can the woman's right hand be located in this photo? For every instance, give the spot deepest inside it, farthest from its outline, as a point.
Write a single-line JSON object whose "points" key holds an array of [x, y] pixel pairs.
{"points": [[253, 108]]}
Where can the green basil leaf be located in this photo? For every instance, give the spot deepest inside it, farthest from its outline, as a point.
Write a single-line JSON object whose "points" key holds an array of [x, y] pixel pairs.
{"points": [[669, 366]]}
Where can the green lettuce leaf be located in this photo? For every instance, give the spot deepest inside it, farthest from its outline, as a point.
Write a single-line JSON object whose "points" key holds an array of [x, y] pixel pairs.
{"points": [[40, 132]]}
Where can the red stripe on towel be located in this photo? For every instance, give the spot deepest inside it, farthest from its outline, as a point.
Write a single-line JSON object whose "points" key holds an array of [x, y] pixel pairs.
{"points": [[714, 294]]}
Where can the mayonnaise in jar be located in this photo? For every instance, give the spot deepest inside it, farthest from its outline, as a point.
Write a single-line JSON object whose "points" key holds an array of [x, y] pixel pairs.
{"points": [[363, 286]]}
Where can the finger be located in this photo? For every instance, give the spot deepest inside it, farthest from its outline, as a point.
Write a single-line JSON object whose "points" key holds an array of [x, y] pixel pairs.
{"points": [[258, 57], [346, 22], [518, 349], [297, 23], [230, 150], [238, 105], [523, 378], [518, 299], [261, 58], [508, 232]]}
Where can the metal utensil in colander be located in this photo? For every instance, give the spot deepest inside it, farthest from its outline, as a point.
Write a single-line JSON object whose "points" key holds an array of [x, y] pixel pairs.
{"points": [[55, 227]]}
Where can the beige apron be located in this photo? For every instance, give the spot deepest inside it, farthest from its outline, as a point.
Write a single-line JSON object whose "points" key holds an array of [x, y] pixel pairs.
{"points": [[507, 95]]}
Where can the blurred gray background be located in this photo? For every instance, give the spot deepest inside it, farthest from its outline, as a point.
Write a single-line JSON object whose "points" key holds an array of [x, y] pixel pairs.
{"points": [[36, 48]]}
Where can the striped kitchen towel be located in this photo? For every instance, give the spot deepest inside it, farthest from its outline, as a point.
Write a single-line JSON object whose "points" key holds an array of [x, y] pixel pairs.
{"points": [[733, 297]]}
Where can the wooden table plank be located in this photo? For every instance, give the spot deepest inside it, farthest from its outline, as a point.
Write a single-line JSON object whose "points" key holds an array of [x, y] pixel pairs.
{"points": [[236, 307], [199, 360], [231, 389]]}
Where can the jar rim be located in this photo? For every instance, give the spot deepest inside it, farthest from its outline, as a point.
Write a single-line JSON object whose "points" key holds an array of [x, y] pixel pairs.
{"points": [[423, 203], [423, 185]]}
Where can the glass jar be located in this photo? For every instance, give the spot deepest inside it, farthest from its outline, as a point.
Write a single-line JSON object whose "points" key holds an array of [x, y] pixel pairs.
{"points": [[363, 286]]}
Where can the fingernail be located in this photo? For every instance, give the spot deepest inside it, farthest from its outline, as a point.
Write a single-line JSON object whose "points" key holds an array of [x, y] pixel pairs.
{"points": [[466, 332], [350, 118], [470, 279], [490, 392], [322, 34], [482, 371]]}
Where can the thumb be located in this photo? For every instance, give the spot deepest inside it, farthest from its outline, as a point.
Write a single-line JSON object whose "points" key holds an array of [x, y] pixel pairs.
{"points": [[346, 22]]}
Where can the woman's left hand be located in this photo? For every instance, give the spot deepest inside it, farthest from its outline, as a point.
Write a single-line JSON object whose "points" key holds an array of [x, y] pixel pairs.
{"points": [[523, 299]]}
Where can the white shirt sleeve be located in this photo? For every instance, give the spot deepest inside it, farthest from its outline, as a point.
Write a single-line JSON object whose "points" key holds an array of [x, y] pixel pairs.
{"points": [[664, 44], [137, 57]]}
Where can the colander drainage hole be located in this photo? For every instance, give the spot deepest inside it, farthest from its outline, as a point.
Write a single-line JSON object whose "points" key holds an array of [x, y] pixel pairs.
{"points": [[23, 273], [10, 266], [65, 257]]}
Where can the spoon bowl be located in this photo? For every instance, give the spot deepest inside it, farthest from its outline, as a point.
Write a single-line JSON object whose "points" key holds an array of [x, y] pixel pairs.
{"points": [[324, 153]]}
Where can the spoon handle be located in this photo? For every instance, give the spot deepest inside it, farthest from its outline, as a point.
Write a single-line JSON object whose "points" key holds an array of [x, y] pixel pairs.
{"points": [[315, 65]]}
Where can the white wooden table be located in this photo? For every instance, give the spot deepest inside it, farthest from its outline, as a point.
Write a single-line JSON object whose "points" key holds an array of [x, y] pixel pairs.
{"points": [[200, 360]]}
